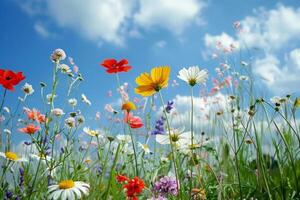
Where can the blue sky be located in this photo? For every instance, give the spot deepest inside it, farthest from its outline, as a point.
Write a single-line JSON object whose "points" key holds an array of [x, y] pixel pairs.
{"points": [[148, 33]]}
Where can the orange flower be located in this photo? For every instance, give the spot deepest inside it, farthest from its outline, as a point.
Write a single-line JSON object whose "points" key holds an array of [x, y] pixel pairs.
{"points": [[149, 84], [29, 129], [128, 106], [35, 115]]}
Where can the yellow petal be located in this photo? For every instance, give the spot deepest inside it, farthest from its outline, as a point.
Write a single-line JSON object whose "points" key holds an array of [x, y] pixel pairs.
{"points": [[160, 75], [145, 90], [144, 79]]}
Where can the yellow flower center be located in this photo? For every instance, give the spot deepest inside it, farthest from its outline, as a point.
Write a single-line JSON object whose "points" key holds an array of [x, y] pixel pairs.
{"points": [[128, 106], [11, 156], [174, 137], [66, 184], [42, 156], [192, 82]]}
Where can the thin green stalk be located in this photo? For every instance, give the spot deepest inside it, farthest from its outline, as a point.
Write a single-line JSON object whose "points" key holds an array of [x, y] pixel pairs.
{"points": [[171, 144], [134, 151], [111, 172], [192, 139], [2, 101]]}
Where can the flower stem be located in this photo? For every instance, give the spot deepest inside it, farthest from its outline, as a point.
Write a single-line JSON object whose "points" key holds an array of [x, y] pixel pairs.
{"points": [[134, 151], [171, 144]]}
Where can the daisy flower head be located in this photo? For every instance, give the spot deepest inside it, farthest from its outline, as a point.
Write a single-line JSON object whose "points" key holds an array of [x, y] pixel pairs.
{"points": [[68, 189], [149, 84], [12, 156], [50, 97], [144, 147], [85, 100], [65, 69], [193, 75], [28, 89], [178, 137], [72, 102], [57, 112], [58, 55], [91, 132]]}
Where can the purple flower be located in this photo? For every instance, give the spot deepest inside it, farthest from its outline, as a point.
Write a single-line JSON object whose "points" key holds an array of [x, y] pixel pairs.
{"points": [[159, 127], [8, 195], [158, 198], [166, 185], [21, 178], [169, 106]]}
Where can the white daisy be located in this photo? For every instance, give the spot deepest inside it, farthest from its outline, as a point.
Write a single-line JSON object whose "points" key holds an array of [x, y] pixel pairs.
{"points": [[91, 132], [28, 89], [85, 100], [65, 69], [72, 102], [144, 147], [124, 138], [57, 112], [12, 156], [68, 189], [178, 137], [58, 55], [49, 97], [193, 75], [70, 122], [41, 157]]}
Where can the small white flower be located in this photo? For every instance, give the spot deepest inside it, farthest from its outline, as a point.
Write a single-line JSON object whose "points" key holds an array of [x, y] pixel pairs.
{"points": [[124, 138], [91, 132], [73, 102], [6, 131], [57, 112], [58, 55], [70, 122], [85, 100], [244, 78], [68, 189], [279, 100], [144, 147], [28, 89], [193, 75], [6, 109], [49, 97], [243, 63], [65, 69], [41, 157], [12, 156]]}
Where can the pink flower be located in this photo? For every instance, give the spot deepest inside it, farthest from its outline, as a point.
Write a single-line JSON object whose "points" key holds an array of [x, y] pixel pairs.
{"points": [[75, 69]]}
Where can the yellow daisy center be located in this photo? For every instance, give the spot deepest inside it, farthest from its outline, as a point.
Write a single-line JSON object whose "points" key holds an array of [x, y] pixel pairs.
{"points": [[192, 82], [66, 184], [11, 156], [174, 137]]}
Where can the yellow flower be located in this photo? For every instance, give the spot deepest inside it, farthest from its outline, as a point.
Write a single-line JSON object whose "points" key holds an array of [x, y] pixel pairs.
{"points": [[297, 103], [128, 106], [12, 156], [149, 84]]}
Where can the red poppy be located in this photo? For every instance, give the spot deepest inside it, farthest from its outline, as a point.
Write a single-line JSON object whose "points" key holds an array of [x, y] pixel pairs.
{"points": [[122, 178], [133, 187], [35, 115], [8, 78], [133, 121], [29, 129], [113, 66]]}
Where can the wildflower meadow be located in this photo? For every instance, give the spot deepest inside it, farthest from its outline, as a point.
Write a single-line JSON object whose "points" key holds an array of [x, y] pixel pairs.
{"points": [[231, 140]]}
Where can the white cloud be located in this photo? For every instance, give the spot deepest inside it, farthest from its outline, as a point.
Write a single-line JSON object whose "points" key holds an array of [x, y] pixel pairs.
{"points": [[270, 31], [160, 44], [114, 20], [221, 42], [205, 109], [280, 77], [93, 19], [41, 30], [174, 15]]}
